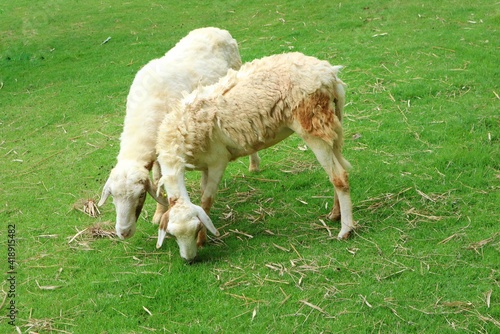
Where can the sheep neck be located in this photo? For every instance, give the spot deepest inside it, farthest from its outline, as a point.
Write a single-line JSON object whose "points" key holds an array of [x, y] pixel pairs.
{"points": [[139, 151], [175, 186], [137, 142]]}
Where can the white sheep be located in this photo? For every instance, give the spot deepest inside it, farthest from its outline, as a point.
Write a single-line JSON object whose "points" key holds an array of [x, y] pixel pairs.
{"points": [[246, 111], [200, 58]]}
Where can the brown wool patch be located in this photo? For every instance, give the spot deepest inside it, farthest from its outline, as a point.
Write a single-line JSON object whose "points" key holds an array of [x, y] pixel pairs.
{"points": [[149, 166], [316, 116], [138, 210], [341, 182], [202, 237]]}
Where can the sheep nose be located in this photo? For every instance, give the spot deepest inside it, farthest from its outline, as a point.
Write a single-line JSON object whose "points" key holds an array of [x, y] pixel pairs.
{"points": [[189, 261]]}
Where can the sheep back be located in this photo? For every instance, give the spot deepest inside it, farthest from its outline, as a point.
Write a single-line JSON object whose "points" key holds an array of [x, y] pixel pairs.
{"points": [[252, 105]]}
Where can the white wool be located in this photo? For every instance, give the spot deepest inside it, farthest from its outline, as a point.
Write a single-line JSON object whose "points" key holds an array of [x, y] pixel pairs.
{"points": [[200, 58]]}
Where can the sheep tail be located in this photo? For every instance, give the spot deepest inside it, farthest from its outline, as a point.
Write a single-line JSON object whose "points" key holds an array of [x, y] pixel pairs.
{"points": [[339, 92]]}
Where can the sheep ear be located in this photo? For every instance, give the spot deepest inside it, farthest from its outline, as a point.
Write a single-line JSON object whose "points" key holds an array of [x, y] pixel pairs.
{"points": [[162, 229], [161, 237], [205, 219], [156, 194], [105, 194]]}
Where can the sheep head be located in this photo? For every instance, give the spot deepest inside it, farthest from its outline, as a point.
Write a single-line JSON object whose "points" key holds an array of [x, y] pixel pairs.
{"points": [[184, 221], [128, 184]]}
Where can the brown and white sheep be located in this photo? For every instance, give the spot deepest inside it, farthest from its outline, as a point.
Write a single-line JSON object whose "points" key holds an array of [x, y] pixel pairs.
{"points": [[246, 111], [200, 58]]}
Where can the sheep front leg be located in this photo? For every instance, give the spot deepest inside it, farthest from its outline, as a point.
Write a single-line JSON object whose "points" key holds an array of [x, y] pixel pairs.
{"points": [[160, 209], [210, 180], [202, 234]]}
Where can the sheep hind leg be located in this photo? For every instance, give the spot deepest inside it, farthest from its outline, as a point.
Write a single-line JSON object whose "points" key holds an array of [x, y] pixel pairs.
{"points": [[254, 162], [341, 166], [333, 164], [335, 213], [160, 209]]}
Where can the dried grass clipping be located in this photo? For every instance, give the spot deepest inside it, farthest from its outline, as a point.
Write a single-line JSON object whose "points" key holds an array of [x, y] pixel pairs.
{"points": [[87, 206], [98, 230], [102, 230]]}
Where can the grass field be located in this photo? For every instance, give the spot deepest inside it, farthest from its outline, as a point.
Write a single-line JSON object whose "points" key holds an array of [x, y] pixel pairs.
{"points": [[422, 128]]}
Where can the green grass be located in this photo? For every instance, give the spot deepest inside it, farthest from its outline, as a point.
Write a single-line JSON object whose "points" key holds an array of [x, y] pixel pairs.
{"points": [[422, 133]]}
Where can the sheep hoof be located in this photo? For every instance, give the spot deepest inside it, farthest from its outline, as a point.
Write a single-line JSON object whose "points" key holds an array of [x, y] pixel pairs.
{"points": [[334, 215], [343, 235], [254, 169]]}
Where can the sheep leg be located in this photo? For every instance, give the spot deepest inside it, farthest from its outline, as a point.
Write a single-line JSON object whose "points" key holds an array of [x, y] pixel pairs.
{"points": [[201, 240], [204, 180], [335, 213], [202, 234], [210, 180], [209, 183], [332, 163], [254, 162], [341, 181], [160, 209]]}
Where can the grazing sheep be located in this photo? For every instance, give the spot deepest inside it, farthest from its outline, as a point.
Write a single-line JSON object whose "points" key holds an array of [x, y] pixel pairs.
{"points": [[200, 58], [246, 111]]}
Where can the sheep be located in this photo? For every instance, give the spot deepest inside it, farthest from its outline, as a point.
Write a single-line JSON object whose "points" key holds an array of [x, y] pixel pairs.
{"points": [[200, 58], [246, 111]]}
